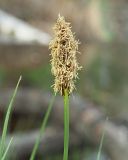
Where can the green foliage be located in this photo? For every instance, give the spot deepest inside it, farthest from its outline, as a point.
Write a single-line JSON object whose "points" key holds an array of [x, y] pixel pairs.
{"points": [[6, 151], [42, 128], [5, 127], [100, 147]]}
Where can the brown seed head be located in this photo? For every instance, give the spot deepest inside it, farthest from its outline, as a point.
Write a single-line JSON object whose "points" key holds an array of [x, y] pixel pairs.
{"points": [[63, 51]]}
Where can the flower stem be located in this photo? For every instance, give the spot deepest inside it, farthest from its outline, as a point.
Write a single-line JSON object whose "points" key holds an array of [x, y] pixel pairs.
{"points": [[66, 126]]}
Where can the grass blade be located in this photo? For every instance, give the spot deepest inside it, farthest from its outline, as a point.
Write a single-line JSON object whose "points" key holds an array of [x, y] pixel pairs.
{"points": [[42, 128], [2, 143], [101, 143], [6, 151]]}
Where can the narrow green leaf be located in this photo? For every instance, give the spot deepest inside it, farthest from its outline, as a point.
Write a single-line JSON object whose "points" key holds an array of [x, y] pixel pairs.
{"points": [[6, 151], [101, 143], [32, 157], [2, 143]]}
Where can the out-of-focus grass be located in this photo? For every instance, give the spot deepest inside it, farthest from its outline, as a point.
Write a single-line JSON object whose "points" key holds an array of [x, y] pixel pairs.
{"points": [[44, 123], [3, 151], [101, 144], [6, 151]]}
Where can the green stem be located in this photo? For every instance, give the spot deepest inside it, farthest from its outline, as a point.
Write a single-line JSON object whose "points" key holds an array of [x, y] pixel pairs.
{"points": [[66, 126], [42, 128]]}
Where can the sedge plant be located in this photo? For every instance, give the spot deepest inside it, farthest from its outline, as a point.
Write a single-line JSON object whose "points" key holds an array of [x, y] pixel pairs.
{"points": [[65, 68], [3, 150]]}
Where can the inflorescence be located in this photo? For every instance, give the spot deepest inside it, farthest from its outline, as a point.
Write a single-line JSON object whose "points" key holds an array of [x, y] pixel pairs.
{"points": [[64, 48]]}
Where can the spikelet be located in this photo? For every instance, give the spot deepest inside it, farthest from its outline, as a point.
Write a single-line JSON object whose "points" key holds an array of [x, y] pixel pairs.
{"points": [[63, 52]]}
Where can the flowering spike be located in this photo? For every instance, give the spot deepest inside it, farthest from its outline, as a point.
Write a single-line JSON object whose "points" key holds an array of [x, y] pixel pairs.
{"points": [[63, 51]]}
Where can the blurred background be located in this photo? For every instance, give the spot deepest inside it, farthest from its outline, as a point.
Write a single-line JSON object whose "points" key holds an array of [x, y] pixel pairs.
{"points": [[102, 90]]}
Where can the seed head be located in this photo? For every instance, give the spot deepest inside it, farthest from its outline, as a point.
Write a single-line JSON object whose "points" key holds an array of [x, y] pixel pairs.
{"points": [[64, 64]]}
